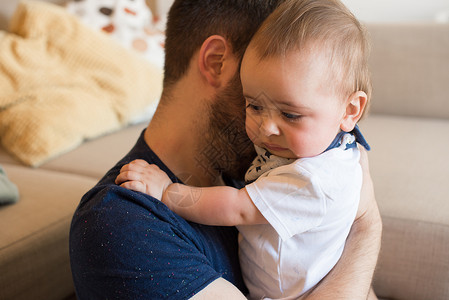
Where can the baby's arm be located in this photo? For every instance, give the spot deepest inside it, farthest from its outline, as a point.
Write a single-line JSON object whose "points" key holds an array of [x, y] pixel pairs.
{"points": [[221, 205]]}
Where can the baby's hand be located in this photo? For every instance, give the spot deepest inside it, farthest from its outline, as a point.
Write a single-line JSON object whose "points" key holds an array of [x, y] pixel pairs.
{"points": [[140, 176]]}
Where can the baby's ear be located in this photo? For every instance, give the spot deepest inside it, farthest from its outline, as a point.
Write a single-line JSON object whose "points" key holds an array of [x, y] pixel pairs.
{"points": [[355, 105]]}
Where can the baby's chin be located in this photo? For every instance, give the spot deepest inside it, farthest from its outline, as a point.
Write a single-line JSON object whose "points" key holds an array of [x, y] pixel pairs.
{"points": [[302, 154], [285, 153]]}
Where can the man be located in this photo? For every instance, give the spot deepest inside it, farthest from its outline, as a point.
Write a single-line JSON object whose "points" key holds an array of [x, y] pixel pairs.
{"points": [[128, 245]]}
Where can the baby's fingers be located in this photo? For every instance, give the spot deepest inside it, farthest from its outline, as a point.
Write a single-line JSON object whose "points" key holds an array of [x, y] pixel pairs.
{"points": [[127, 176], [136, 186], [135, 165]]}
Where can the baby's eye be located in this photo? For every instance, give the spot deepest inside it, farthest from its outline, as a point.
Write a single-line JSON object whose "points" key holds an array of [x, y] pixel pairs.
{"points": [[291, 117], [253, 107]]}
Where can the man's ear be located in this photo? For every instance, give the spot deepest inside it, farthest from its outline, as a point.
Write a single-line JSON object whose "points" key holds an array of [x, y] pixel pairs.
{"points": [[213, 58], [355, 105]]}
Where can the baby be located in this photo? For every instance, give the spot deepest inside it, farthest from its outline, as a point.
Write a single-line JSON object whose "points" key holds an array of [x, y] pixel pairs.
{"points": [[306, 85]]}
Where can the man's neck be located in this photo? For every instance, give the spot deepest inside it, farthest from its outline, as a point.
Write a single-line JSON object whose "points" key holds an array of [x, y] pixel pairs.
{"points": [[175, 134]]}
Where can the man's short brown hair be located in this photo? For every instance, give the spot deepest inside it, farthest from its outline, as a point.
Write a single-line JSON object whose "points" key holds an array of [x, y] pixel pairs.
{"points": [[191, 22]]}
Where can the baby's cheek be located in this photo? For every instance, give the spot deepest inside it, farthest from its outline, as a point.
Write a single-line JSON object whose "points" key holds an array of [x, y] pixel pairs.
{"points": [[251, 129], [303, 145]]}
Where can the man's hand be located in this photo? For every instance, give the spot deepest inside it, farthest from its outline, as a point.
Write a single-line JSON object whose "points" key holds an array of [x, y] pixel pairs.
{"points": [[367, 200], [142, 177]]}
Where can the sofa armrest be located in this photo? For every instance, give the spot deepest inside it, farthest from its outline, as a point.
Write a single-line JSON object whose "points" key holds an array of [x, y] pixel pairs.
{"points": [[410, 69]]}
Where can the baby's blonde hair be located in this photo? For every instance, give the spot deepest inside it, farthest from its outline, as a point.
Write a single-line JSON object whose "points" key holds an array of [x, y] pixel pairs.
{"points": [[327, 24]]}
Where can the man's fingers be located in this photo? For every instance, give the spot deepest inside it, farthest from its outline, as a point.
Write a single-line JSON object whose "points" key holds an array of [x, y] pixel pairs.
{"points": [[364, 160], [367, 197]]}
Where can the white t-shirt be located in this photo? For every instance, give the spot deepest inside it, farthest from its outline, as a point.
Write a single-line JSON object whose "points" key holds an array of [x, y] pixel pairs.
{"points": [[310, 205]]}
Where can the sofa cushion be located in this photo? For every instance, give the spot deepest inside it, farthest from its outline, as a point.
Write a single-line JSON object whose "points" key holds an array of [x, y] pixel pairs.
{"points": [[410, 64], [93, 158], [409, 166], [64, 84], [34, 258]]}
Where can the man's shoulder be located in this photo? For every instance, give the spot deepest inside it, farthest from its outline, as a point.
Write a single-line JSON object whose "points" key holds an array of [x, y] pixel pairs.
{"points": [[107, 201], [112, 199]]}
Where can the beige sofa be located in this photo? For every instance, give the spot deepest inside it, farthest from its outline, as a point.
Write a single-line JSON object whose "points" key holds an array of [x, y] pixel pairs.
{"points": [[408, 129]]}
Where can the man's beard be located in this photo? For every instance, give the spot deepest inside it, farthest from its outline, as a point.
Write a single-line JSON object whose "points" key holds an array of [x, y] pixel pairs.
{"points": [[226, 148]]}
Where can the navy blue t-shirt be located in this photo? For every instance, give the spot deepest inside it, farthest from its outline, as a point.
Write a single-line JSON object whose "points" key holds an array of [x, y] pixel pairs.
{"points": [[128, 245]]}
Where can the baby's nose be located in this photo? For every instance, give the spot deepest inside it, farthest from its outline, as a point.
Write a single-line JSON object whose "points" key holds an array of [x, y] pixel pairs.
{"points": [[268, 125]]}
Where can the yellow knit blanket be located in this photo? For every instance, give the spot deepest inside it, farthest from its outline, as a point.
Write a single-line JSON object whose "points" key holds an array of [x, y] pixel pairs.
{"points": [[62, 83]]}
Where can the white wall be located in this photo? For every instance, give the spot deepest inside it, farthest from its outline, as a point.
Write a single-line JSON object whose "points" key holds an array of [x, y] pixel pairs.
{"points": [[380, 10], [399, 10], [161, 6], [365, 10]]}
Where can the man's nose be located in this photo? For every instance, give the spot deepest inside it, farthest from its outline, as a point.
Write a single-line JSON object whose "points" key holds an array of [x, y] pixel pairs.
{"points": [[268, 125]]}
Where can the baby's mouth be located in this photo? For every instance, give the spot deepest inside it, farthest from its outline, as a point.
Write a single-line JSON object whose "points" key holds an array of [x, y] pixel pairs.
{"points": [[273, 147]]}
